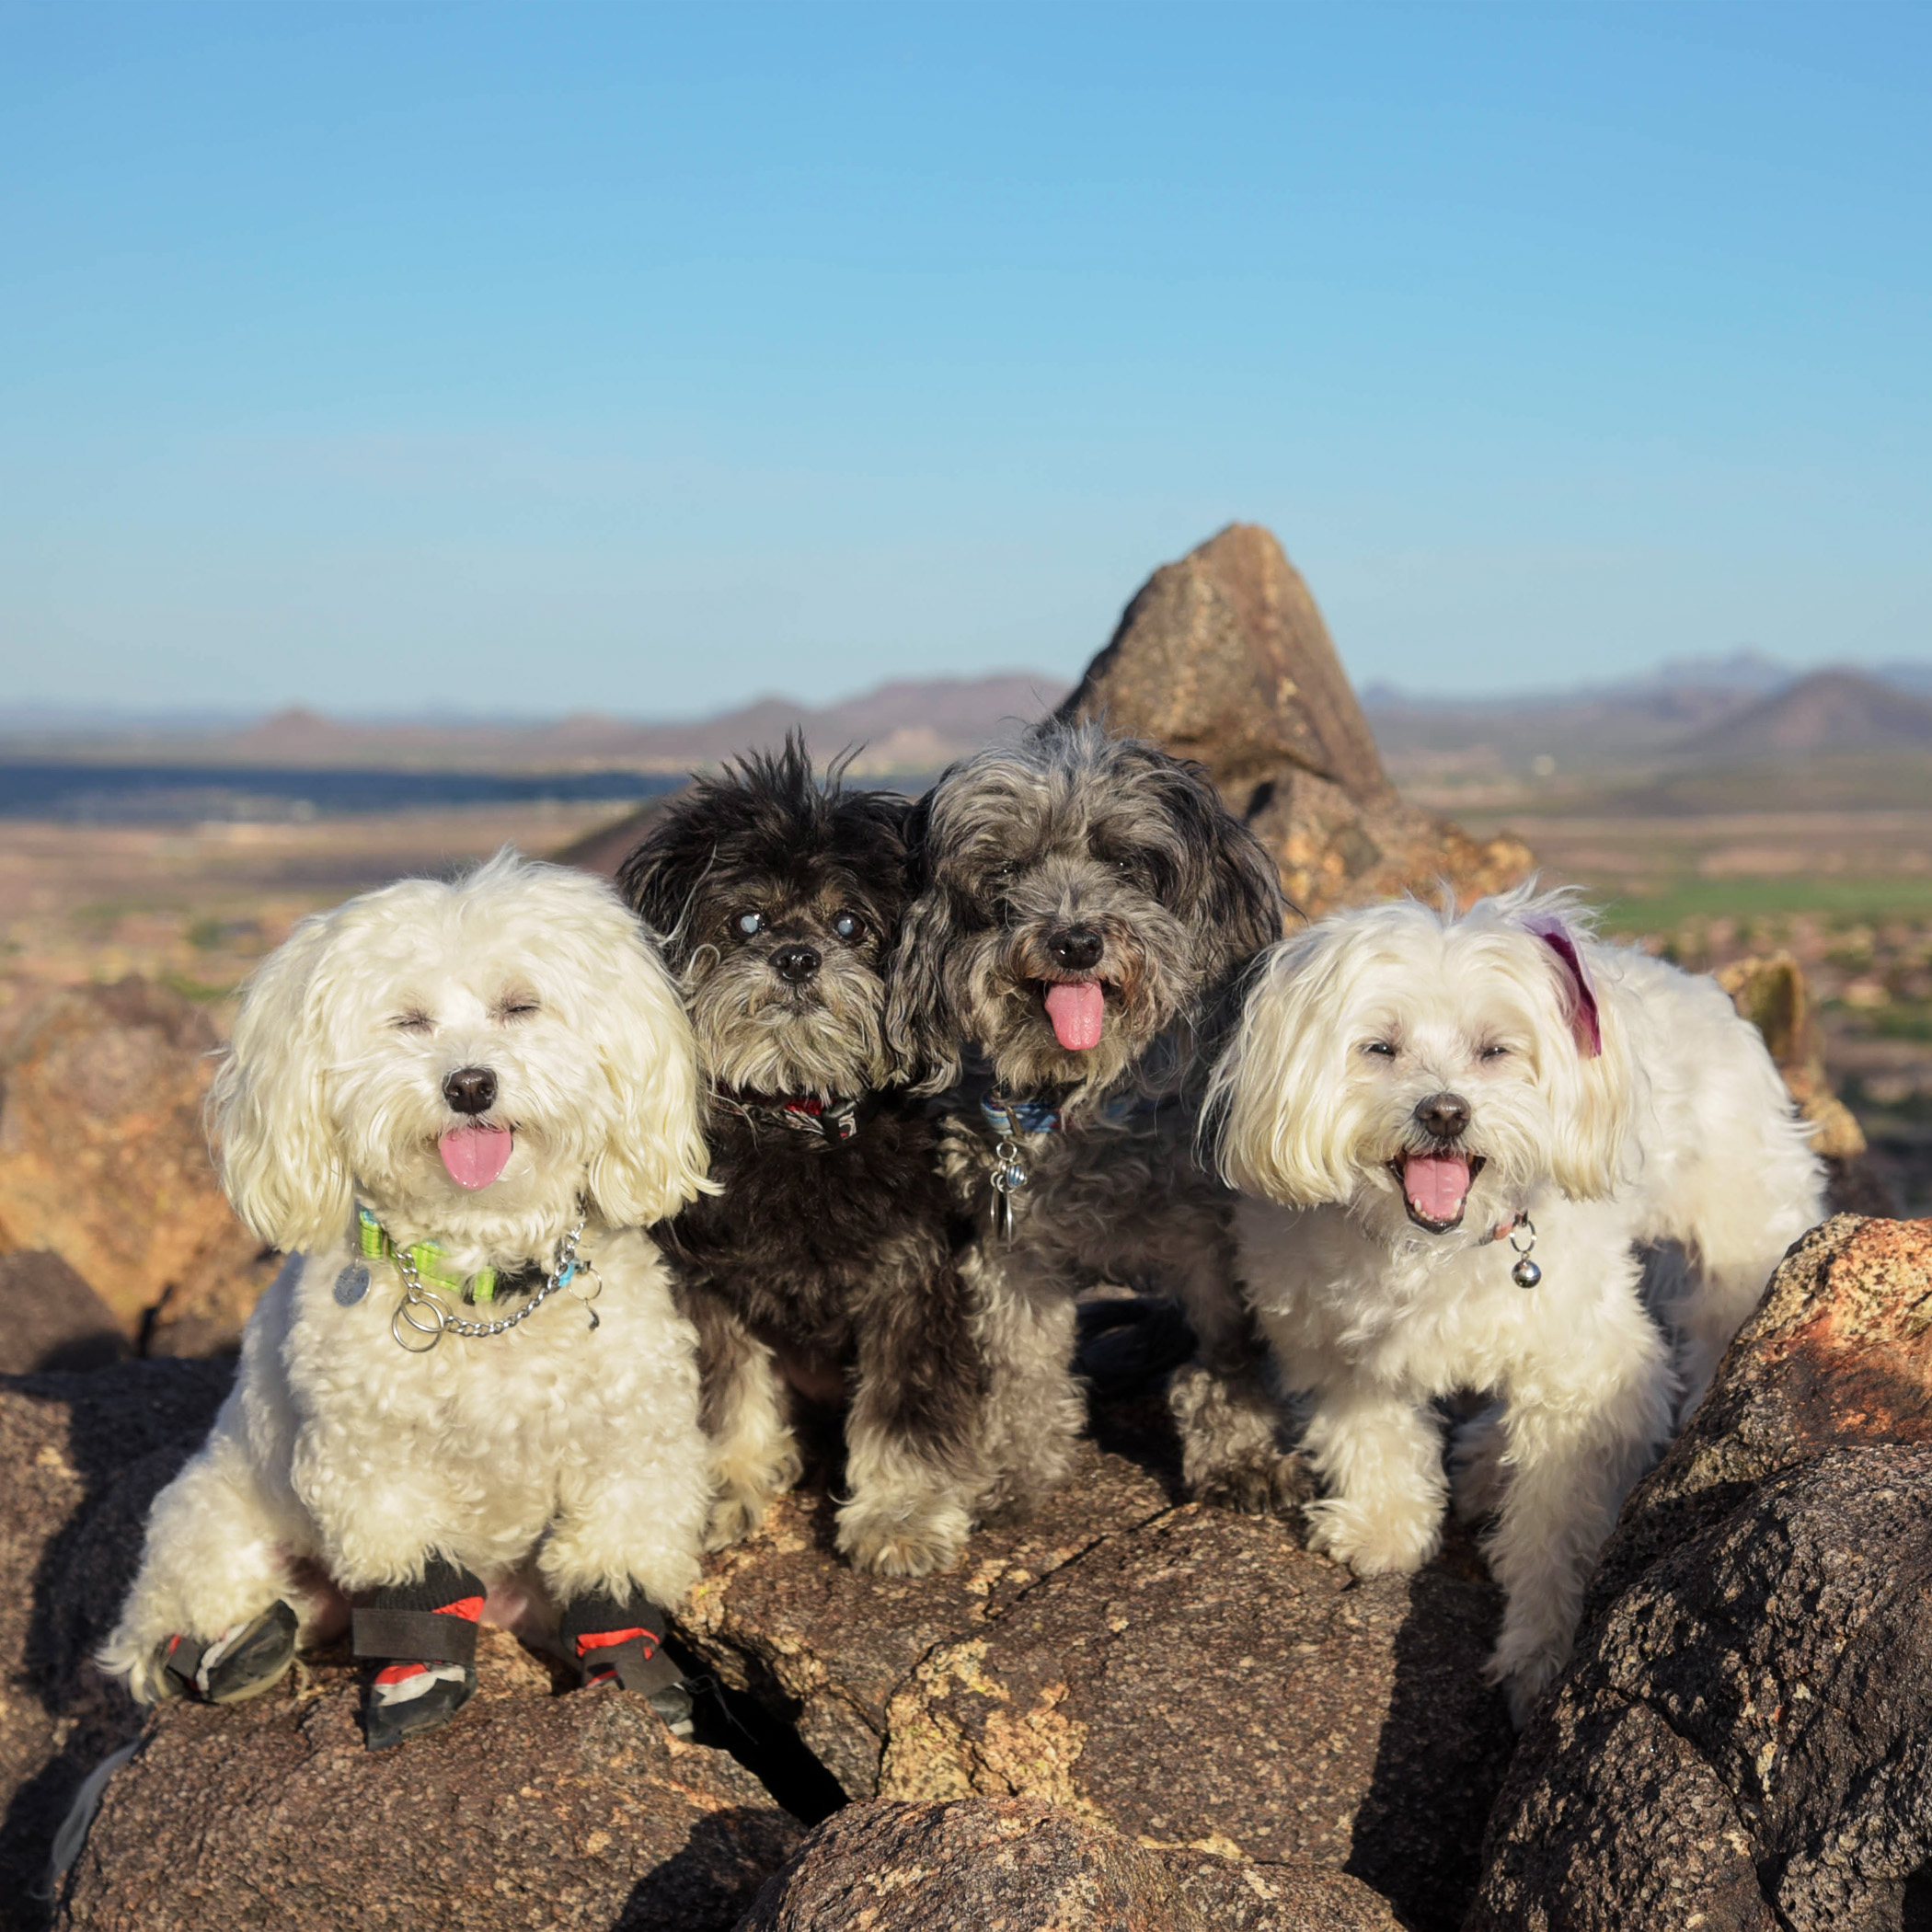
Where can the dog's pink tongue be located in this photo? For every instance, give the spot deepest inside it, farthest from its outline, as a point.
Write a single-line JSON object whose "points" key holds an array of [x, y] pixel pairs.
{"points": [[1078, 1011], [474, 1156], [1436, 1184]]}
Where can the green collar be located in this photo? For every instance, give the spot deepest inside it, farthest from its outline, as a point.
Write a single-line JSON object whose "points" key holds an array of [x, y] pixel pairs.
{"points": [[430, 1262]]}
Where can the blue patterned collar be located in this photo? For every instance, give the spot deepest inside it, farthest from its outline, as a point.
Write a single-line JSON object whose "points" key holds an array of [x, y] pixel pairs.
{"points": [[1008, 1118]]}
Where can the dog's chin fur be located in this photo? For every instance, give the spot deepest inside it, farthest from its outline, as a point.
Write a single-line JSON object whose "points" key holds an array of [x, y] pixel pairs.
{"points": [[1617, 1103], [342, 1454], [833, 1257], [757, 1035]]}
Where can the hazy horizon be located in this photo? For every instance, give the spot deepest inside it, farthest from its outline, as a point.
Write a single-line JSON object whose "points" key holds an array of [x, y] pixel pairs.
{"points": [[1727, 671]]}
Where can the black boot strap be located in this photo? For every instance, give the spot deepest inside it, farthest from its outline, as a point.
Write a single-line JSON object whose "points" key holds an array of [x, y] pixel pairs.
{"points": [[639, 1668], [414, 1636]]}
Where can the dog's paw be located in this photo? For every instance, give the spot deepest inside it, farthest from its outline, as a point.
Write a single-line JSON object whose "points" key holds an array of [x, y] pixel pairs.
{"points": [[1478, 1474], [892, 1543], [1526, 1674], [735, 1515], [1266, 1483], [1372, 1543]]}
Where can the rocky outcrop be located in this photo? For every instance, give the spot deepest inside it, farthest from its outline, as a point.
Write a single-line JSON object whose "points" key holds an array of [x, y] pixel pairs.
{"points": [[1771, 991], [1194, 1679], [1224, 658], [1022, 1864], [1744, 1740], [578, 1811], [104, 1162]]}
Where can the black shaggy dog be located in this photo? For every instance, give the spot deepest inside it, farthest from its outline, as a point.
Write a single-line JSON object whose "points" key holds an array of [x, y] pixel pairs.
{"points": [[827, 1260]]}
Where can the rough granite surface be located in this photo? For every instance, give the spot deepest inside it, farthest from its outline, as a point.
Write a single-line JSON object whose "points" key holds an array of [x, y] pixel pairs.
{"points": [[1028, 1867], [1744, 1739]]}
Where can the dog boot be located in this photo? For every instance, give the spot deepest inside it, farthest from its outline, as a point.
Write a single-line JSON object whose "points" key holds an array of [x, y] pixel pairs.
{"points": [[428, 1633], [243, 1661], [619, 1643]]}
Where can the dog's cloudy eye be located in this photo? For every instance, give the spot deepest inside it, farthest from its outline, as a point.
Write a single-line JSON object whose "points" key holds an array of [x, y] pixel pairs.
{"points": [[751, 924], [848, 926]]}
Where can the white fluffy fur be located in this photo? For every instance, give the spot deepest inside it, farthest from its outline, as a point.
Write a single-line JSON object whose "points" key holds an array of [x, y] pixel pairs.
{"points": [[1680, 1132], [552, 1447]]}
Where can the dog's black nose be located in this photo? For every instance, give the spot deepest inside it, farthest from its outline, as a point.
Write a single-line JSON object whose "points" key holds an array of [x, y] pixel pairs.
{"points": [[795, 964], [470, 1089], [1077, 947], [1443, 1116]]}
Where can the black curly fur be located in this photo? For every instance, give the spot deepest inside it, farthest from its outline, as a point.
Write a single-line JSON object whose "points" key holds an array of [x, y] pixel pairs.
{"points": [[837, 1255]]}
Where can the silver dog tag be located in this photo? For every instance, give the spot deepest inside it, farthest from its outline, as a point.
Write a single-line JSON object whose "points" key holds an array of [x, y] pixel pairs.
{"points": [[1009, 1175], [351, 1285]]}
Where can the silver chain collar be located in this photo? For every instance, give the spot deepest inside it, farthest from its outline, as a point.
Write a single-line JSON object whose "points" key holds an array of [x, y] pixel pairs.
{"points": [[420, 1302]]}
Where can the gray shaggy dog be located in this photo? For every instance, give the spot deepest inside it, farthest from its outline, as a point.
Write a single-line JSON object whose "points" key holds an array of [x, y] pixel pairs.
{"points": [[1084, 904]]}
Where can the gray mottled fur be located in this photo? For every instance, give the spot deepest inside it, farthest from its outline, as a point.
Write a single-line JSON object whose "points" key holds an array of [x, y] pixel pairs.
{"points": [[1016, 843]]}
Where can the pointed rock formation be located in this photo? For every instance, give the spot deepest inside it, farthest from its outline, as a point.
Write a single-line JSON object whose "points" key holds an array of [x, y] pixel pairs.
{"points": [[1224, 658]]}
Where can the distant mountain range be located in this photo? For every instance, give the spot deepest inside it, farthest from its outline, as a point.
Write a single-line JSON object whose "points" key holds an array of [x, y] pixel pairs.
{"points": [[1727, 712], [1741, 710]]}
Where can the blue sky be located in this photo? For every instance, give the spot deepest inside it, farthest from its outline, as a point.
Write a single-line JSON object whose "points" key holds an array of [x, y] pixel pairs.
{"points": [[402, 358]]}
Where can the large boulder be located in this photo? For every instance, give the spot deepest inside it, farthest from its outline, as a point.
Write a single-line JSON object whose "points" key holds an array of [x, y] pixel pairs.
{"points": [[1224, 658], [1038, 1868], [578, 1811], [1197, 1680], [103, 1160], [1744, 1739]]}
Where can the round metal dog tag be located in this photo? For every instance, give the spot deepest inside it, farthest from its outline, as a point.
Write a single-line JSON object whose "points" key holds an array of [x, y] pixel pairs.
{"points": [[351, 1285], [1525, 1275]]}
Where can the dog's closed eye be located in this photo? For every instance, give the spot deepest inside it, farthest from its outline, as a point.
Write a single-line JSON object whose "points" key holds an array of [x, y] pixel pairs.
{"points": [[517, 1005], [414, 1021]]}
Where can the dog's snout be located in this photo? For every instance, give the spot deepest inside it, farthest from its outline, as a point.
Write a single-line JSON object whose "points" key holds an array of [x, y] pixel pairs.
{"points": [[795, 964], [1077, 947], [470, 1089], [1442, 1116]]}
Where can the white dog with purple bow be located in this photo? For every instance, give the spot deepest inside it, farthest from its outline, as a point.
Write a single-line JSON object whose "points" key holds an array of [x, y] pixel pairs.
{"points": [[1461, 1137]]}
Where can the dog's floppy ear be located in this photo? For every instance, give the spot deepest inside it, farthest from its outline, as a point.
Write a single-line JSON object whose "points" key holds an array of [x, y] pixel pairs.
{"points": [[1580, 992], [1584, 1062], [1231, 890], [1242, 907], [664, 870], [1274, 1112], [282, 1161], [921, 1027], [653, 1159]]}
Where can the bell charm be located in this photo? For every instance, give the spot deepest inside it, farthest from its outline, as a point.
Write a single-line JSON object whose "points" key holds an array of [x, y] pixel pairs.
{"points": [[1525, 1275]]}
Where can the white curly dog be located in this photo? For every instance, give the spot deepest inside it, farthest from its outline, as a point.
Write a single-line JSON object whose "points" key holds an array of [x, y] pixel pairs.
{"points": [[455, 1106], [1412, 1102]]}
